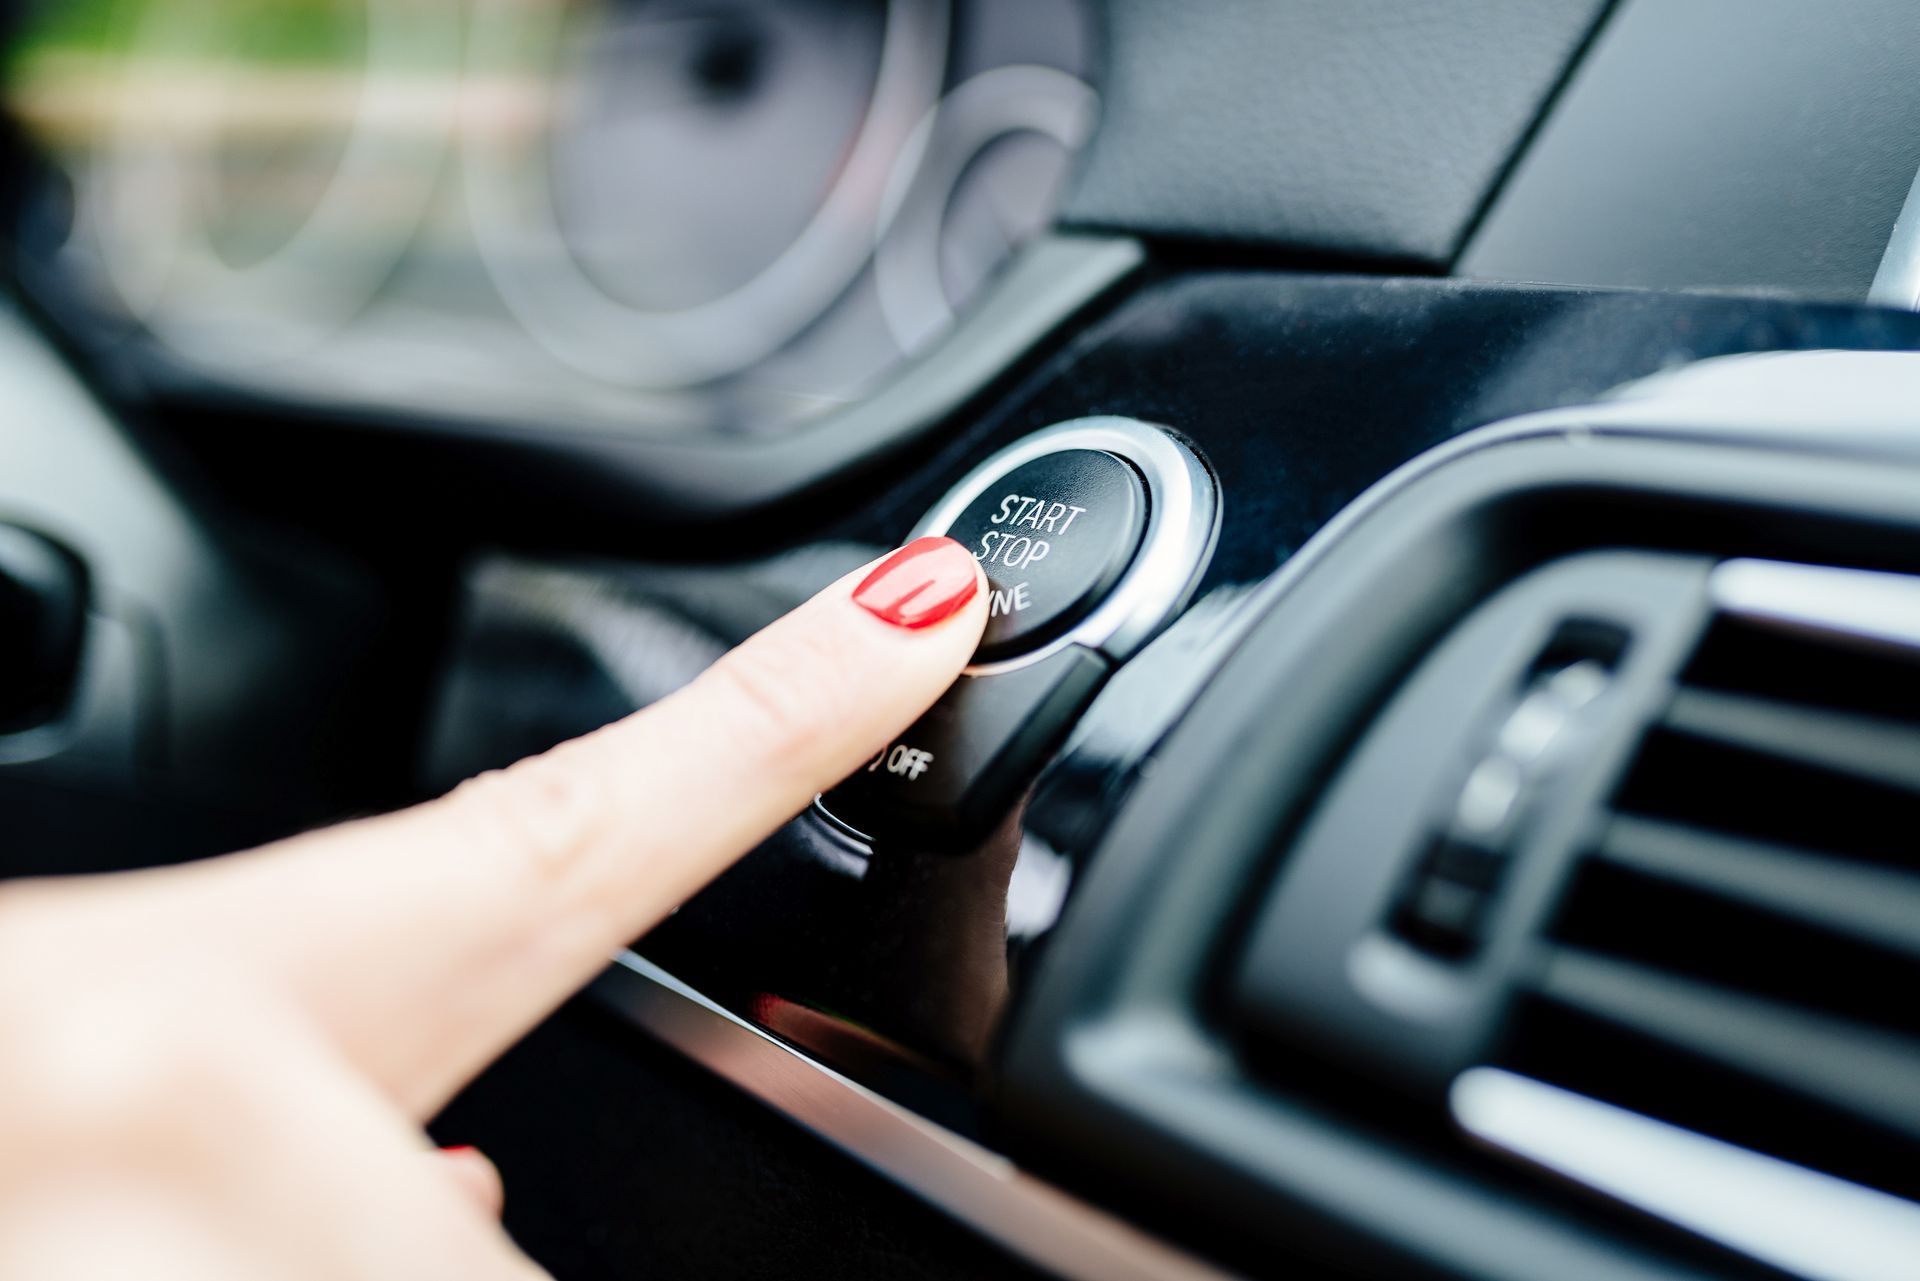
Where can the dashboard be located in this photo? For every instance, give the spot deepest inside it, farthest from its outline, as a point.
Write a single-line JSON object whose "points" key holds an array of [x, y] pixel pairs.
{"points": [[1434, 799]]}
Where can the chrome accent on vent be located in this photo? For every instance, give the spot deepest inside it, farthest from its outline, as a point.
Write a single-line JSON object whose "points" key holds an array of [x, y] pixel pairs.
{"points": [[1844, 603], [1782, 1214]]}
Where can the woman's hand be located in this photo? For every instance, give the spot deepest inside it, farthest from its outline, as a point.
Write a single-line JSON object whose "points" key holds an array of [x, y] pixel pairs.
{"points": [[219, 1072]]}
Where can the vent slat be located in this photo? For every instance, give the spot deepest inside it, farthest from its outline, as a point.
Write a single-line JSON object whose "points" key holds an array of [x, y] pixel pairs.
{"points": [[1881, 750], [1768, 798], [1805, 1223], [1845, 608], [1870, 1073], [1880, 906]]}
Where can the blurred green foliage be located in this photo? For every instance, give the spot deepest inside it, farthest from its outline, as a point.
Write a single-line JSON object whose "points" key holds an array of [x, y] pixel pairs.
{"points": [[282, 31]]}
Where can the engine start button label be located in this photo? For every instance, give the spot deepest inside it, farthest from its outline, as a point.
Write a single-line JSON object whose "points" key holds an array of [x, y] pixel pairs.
{"points": [[1053, 536]]}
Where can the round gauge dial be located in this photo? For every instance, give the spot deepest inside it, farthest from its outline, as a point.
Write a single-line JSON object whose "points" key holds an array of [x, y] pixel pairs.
{"points": [[729, 122]]}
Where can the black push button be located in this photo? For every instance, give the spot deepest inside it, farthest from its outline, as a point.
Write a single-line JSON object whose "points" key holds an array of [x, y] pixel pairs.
{"points": [[1054, 536], [962, 765]]}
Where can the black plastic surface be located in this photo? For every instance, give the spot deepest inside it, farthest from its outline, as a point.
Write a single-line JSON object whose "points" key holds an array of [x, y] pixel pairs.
{"points": [[623, 1160], [1720, 144], [1053, 536], [957, 770], [1351, 128], [228, 666]]}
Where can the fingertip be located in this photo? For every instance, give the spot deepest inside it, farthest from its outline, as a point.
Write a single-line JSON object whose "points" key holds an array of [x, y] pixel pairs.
{"points": [[921, 585]]}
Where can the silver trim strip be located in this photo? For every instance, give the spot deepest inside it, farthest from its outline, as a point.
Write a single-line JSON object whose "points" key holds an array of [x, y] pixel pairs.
{"points": [[1855, 604], [1794, 1218], [1183, 519], [979, 1187]]}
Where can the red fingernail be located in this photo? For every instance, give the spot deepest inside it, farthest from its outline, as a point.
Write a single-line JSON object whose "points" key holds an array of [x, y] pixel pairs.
{"points": [[459, 1149], [927, 580]]}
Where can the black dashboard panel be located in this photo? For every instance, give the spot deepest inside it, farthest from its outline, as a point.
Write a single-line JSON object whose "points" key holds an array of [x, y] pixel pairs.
{"points": [[1300, 392], [1363, 129], [1711, 144]]}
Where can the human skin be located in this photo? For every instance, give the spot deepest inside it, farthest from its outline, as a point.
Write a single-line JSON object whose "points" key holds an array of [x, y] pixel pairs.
{"points": [[220, 1072]]}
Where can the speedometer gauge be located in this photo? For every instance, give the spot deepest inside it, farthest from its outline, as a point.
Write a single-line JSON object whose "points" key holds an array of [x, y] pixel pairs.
{"points": [[656, 214], [731, 123]]}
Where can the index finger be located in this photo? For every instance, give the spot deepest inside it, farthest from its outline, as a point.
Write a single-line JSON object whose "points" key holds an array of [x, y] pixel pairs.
{"points": [[428, 940]]}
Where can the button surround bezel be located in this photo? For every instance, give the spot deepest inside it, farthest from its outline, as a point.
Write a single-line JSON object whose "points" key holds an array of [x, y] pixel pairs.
{"points": [[1183, 522]]}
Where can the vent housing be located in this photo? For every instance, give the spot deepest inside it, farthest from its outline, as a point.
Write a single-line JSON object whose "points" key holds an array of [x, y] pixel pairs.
{"points": [[1699, 946], [1738, 950]]}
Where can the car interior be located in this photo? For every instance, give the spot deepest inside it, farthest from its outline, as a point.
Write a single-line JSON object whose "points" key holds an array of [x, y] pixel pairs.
{"points": [[1437, 794]]}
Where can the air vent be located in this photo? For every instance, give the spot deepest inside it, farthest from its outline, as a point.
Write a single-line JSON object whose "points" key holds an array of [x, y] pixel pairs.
{"points": [[1682, 965], [1731, 985]]}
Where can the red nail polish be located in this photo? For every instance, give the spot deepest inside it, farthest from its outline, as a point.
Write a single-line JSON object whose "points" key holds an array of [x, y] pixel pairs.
{"points": [[459, 1149], [927, 580]]}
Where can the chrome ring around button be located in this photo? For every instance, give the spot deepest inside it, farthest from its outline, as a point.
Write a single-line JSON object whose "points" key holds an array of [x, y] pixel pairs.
{"points": [[1183, 520]]}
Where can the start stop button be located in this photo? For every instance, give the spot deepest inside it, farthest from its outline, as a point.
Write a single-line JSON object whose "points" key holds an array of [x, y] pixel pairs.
{"points": [[1092, 534], [1053, 536]]}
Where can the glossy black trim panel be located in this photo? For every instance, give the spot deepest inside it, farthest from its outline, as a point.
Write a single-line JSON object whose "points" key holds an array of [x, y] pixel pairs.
{"points": [[976, 1186]]}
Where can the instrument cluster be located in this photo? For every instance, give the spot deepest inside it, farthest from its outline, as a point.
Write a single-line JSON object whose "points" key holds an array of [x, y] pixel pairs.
{"points": [[639, 215]]}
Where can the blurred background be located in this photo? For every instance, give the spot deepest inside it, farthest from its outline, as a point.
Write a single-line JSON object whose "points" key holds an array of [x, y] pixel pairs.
{"points": [[649, 216]]}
